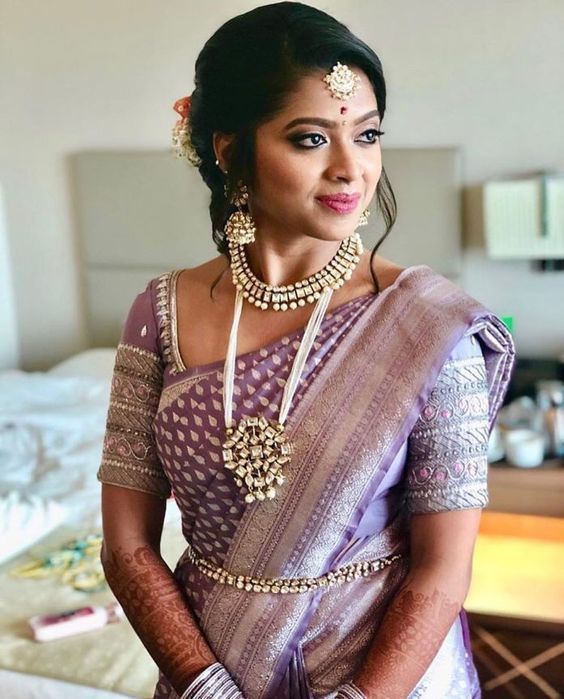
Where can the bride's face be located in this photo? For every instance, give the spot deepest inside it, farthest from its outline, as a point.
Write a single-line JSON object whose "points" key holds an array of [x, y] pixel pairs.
{"points": [[316, 147]]}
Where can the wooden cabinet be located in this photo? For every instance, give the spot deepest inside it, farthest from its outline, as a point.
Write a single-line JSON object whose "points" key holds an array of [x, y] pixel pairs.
{"points": [[534, 491]]}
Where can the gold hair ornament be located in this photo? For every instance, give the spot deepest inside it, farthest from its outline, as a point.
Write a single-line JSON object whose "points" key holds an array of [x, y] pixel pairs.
{"points": [[342, 83], [182, 133]]}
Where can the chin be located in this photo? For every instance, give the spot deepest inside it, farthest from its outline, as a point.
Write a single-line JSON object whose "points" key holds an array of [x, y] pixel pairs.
{"points": [[338, 231]]}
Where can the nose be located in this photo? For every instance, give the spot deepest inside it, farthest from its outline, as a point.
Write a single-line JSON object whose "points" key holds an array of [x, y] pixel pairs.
{"points": [[344, 164]]}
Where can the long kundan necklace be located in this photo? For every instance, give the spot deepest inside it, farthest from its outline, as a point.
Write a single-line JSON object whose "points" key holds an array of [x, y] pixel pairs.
{"points": [[256, 448]]}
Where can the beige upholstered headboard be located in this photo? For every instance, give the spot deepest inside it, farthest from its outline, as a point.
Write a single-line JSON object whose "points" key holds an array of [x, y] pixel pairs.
{"points": [[139, 214]]}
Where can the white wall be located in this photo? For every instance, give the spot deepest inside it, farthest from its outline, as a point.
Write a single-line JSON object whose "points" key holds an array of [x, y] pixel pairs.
{"points": [[485, 75], [8, 320]]}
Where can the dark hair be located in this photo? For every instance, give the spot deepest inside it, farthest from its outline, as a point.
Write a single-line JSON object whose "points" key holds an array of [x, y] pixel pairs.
{"points": [[244, 73]]}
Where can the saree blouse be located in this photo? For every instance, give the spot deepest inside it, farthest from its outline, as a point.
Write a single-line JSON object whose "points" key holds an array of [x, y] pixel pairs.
{"points": [[165, 420]]}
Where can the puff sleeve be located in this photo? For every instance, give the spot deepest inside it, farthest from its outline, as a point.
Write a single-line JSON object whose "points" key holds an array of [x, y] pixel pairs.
{"points": [[129, 455], [446, 461]]}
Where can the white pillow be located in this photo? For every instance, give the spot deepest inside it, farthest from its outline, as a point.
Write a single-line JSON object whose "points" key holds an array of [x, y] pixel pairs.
{"points": [[24, 520], [92, 363]]}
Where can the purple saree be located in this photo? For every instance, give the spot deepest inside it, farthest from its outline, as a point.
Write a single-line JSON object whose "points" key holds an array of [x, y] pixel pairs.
{"points": [[392, 416]]}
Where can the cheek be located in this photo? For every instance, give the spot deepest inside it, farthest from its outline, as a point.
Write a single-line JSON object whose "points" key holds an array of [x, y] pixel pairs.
{"points": [[280, 176], [375, 171], [378, 172]]}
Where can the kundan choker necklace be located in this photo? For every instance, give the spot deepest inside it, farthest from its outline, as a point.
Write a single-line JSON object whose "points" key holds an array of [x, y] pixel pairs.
{"points": [[283, 298], [256, 448]]}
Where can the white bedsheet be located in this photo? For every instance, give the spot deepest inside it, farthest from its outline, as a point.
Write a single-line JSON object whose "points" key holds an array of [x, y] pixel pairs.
{"points": [[51, 431], [14, 685]]}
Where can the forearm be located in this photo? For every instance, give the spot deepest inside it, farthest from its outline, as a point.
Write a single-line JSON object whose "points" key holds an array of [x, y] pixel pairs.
{"points": [[158, 611], [412, 631]]}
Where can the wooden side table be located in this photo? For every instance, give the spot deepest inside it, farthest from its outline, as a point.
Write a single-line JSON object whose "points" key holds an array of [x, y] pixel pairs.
{"points": [[528, 491], [518, 570]]}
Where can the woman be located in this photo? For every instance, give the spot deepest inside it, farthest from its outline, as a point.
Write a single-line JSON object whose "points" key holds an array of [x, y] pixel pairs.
{"points": [[325, 441]]}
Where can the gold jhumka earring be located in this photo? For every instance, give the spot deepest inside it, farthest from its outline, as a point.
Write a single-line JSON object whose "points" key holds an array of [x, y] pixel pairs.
{"points": [[363, 220], [240, 227]]}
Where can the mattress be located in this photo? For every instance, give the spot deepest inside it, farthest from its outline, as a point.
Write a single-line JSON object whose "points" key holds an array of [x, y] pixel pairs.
{"points": [[51, 431]]}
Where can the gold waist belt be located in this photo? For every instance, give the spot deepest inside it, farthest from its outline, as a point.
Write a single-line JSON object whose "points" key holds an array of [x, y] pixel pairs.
{"points": [[283, 586]]}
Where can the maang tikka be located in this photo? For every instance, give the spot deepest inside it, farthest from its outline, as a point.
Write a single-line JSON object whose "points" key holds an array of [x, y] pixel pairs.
{"points": [[240, 227]]}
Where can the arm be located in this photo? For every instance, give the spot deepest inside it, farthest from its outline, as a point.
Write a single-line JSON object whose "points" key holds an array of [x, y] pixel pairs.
{"points": [[446, 488], [134, 492], [145, 585], [426, 605]]}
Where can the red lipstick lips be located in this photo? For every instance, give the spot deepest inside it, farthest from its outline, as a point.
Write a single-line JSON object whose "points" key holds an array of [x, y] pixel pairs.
{"points": [[341, 203]]}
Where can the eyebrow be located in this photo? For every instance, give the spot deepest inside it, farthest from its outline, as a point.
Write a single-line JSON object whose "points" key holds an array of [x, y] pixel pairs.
{"points": [[326, 122]]}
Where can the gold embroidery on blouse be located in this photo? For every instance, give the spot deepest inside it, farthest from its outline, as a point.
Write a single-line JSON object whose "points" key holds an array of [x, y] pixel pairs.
{"points": [[151, 356], [129, 456], [168, 324]]}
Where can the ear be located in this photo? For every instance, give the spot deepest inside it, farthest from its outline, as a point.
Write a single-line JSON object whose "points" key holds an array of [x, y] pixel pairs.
{"points": [[222, 144]]}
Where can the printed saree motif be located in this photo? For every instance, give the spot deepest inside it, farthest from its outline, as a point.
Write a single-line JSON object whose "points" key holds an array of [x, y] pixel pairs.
{"points": [[347, 429], [385, 383]]}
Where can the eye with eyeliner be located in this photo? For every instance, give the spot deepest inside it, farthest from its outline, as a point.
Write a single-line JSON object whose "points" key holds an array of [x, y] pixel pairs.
{"points": [[300, 138]]}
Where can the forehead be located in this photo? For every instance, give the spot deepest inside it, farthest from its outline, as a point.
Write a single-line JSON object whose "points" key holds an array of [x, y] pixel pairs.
{"points": [[312, 97]]}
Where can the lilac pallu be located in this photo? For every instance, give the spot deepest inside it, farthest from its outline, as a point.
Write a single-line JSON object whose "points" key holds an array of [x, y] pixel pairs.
{"points": [[391, 417]]}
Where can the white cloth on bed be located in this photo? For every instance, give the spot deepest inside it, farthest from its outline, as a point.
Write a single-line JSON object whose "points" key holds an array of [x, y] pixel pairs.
{"points": [[24, 520], [16, 685], [51, 433]]}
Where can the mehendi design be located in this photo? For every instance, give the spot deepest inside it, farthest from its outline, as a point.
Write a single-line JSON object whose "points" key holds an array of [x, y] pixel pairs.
{"points": [[411, 634], [159, 613]]}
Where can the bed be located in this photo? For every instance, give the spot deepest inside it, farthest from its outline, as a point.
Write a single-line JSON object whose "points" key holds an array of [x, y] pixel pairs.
{"points": [[137, 215], [51, 429]]}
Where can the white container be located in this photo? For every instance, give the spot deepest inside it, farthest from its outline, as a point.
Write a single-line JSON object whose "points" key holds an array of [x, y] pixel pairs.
{"points": [[49, 627], [524, 448], [496, 449]]}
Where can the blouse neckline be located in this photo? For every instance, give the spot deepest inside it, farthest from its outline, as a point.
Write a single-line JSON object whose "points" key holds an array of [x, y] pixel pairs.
{"points": [[179, 367]]}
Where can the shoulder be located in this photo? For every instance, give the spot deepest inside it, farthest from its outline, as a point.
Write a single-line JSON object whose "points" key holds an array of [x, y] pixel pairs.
{"points": [[148, 316], [442, 299], [386, 272], [162, 290], [139, 328], [150, 321]]}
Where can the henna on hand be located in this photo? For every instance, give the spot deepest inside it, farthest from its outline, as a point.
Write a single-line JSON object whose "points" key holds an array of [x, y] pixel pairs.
{"points": [[159, 612], [410, 636]]}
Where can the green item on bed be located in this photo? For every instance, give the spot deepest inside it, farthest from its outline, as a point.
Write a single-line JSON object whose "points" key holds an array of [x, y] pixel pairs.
{"points": [[77, 563]]}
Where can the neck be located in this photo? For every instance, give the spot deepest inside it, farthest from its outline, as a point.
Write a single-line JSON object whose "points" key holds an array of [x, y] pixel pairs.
{"points": [[280, 264]]}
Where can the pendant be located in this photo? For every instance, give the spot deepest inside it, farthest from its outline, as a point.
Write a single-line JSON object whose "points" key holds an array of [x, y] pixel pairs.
{"points": [[255, 451]]}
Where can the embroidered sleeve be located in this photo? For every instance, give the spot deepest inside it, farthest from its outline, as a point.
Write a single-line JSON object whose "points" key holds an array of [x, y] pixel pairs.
{"points": [[129, 455], [446, 464]]}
